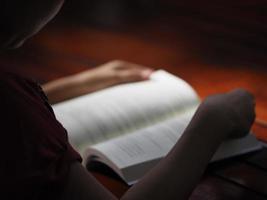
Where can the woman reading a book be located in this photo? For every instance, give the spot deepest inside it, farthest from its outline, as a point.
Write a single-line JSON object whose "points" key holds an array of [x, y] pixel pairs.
{"points": [[37, 161]]}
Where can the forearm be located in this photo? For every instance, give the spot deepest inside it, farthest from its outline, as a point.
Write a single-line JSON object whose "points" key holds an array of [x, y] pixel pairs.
{"points": [[176, 175], [81, 185], [72, 86], [60, 89]]}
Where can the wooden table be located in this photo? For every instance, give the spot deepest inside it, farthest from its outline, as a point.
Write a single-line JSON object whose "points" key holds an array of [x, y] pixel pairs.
{"points": [[213, 52]]}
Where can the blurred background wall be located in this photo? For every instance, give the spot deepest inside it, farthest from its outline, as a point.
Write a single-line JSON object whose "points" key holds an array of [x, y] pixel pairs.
{"points": [[223, 29]]}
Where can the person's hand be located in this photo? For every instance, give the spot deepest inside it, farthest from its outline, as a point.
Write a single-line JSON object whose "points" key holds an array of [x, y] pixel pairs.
{"points": [[101, 77], [113, 73], [233, 111]]}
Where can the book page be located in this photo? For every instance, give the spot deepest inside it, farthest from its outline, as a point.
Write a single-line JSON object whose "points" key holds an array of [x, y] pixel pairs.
{"points": [[122, 109], [147, 144]]}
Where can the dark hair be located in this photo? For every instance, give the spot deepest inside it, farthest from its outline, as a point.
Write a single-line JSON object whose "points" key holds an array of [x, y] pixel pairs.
{"points": [[22, 19]]}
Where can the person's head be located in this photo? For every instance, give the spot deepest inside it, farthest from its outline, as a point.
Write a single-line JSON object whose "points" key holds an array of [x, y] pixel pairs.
{"points": [[21, 19]]}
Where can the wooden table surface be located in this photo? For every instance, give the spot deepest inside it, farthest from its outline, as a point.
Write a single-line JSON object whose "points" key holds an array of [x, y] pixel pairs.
{"points": [[212, 51]]}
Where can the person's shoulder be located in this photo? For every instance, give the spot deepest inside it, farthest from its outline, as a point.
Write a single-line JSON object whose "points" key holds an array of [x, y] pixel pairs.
{"points": [[7, 83], [8, 104], [20, 87], [11, 80], [11, 86]]}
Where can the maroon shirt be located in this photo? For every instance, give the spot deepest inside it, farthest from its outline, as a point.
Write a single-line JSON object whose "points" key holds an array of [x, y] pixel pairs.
{"points": [[35, 152]]}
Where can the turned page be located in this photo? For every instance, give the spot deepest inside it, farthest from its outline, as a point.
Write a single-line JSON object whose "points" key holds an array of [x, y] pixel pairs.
{"points": [[122, 109]]}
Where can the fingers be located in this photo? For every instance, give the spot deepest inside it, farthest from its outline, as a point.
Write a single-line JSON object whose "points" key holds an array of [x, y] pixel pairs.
{"points": [[245, 100], [243, 96], [129, 72], [123, 65], [133, 75], [235, 109], [242, 93], [243, 103], [119, 65]]}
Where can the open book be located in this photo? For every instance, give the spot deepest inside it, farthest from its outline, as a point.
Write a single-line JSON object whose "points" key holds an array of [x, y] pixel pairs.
{"points": [[131, 127]]}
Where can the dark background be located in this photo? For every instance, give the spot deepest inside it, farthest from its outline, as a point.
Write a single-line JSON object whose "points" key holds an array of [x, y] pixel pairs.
{"points": [[230, 31]]}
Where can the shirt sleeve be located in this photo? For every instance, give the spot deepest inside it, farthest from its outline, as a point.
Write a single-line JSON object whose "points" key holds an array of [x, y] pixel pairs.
{"points": [[34, 147]]}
